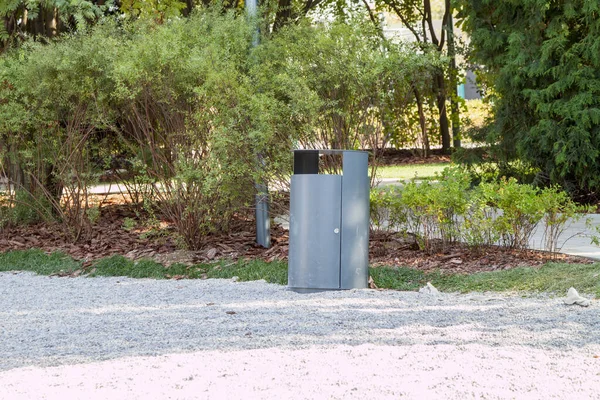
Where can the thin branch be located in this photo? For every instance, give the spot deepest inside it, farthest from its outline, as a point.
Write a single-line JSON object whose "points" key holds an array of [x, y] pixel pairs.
{"points": [[374, 20], [405, 22], [310, 4]]}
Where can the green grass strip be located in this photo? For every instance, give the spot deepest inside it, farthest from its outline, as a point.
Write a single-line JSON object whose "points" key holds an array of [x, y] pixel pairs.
{"points": [[37, 261], [272, 272], [551, 278], [120, 266]]}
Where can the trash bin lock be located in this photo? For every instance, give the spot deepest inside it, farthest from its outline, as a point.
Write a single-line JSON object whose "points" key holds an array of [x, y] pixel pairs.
{"points": [[329, 223]]}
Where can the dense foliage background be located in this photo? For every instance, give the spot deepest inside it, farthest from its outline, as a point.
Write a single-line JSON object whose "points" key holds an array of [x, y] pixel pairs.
{"points": [[541, 62], [180, 103], [188, 114]]}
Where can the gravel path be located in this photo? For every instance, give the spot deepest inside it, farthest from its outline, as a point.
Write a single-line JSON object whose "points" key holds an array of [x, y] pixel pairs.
{"points": [[120, 338]]}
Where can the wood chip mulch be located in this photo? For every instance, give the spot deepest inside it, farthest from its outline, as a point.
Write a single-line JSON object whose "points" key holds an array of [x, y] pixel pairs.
{"points": [[395, 250], [109, 237]]}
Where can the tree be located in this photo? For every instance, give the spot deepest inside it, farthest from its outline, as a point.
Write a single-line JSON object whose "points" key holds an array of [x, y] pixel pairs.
{"points": [[542, 60], [43, 19], [418, 17]]}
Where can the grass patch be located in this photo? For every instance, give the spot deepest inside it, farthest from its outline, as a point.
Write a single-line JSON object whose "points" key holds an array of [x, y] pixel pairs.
{"points": [[37, 261], [410, 171], [272, 272], [551, 278], [121, 266], [398, 278]]}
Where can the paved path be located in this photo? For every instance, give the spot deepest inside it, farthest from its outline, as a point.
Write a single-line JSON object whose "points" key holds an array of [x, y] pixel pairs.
{"points": [[575, 240], [123, 338]]}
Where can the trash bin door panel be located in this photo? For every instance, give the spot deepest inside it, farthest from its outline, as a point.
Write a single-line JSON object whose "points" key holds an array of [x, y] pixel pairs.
{"points": [[355, 221], [315, 231]]}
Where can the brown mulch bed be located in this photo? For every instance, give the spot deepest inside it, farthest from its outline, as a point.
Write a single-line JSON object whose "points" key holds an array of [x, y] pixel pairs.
{"points": [[395, 250], [108, 237]]}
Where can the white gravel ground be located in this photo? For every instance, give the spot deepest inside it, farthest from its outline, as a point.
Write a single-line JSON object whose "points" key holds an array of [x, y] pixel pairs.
{"points": [[119, 338]]}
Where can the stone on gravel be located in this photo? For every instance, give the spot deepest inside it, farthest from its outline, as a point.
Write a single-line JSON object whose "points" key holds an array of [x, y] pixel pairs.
{"points": [[574, 298], [429, 289]]}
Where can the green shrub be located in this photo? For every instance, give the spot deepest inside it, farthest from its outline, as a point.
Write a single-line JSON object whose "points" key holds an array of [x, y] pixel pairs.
{"points": [[559, 209], [434, 209], [447, 210], [480, 228], [357, 87], [386, 209], [519, 210], [183, 95], [21, 207], [198, 112], [52, 122]]}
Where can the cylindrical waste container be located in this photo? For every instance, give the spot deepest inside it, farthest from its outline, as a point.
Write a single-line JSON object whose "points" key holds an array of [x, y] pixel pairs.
{"points": [[329, 223]]}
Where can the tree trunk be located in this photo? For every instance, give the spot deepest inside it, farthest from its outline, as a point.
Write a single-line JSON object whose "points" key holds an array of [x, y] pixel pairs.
{"points": [[422, 123], [51, 22], [15, 174], [54, 188], [440, 86]]}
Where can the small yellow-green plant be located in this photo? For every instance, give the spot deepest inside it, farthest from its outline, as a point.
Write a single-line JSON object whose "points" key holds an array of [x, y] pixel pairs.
{"points": [[129, 224]]}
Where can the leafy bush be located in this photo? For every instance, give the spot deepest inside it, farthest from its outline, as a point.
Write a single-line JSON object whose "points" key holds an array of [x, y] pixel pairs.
{"points": [[197, 113], [386, 209], [22, 208], [51, 116], [559, 209], [183, 96], [447, 211], [518, 210], [480, 228], [435, 209]]}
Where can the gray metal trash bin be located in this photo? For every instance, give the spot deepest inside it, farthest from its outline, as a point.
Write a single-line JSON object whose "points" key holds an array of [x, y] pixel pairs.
{"points": [[329, 223]]}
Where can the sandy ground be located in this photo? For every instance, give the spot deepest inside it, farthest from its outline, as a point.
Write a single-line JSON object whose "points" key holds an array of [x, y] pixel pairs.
{"points": [[362, 372]]}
